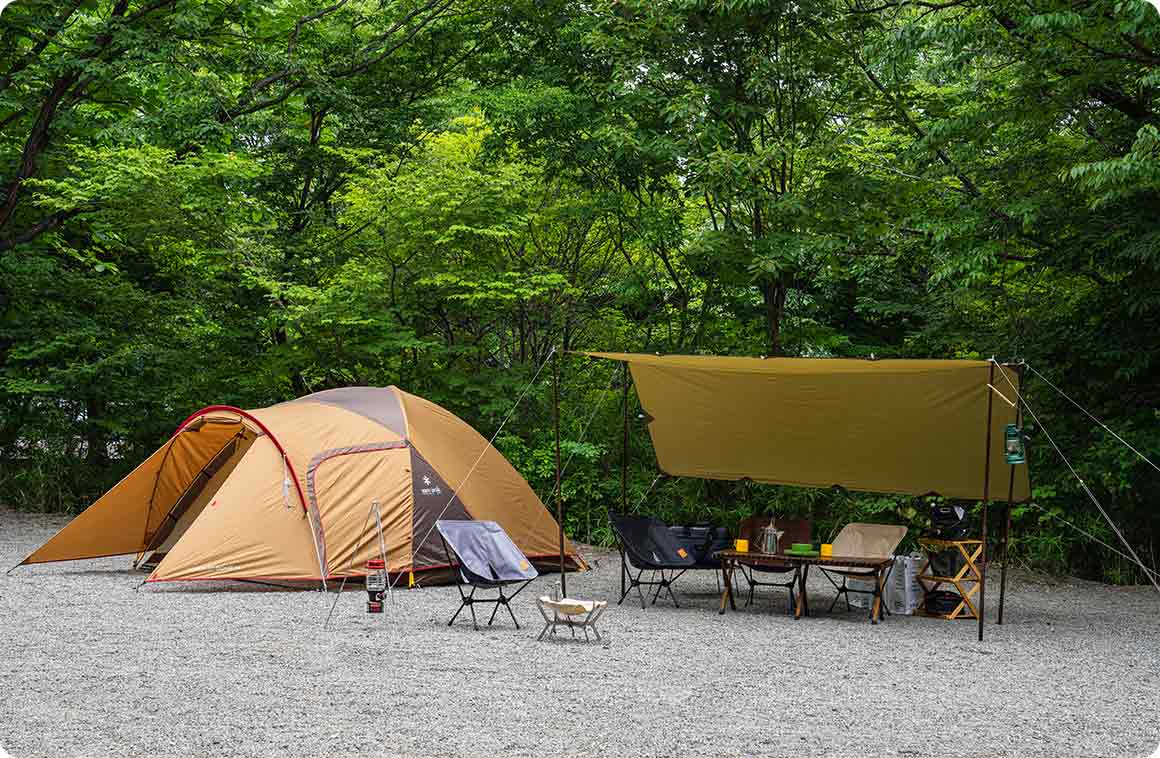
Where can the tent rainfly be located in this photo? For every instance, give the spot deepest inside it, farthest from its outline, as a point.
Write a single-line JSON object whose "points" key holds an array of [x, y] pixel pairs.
{"points": [[284, 493], [917, 427]]}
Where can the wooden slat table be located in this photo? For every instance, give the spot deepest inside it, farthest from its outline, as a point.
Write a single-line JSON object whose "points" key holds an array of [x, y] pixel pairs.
{"points": [[731, 559]]}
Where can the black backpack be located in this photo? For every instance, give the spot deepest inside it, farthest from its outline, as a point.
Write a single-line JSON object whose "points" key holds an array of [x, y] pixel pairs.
{"points": [[947, 522]]}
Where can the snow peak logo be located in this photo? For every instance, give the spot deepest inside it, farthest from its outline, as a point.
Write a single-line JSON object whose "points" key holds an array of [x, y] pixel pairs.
{"points": [[429, 488]]}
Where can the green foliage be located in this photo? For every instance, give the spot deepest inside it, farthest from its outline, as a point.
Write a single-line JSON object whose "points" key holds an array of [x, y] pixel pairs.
{"points": [[242, 202]]}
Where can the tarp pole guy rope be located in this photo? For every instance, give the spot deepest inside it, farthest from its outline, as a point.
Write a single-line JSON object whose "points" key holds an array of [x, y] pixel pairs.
{"points": [[1150, 573]]}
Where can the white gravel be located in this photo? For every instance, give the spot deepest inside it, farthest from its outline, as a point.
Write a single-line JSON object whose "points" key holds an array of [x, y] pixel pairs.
{"points": [[92, 668]]}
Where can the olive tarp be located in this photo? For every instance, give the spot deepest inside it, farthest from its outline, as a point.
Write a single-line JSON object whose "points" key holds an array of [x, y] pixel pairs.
{"points": [[284, 493], [896, 426]]}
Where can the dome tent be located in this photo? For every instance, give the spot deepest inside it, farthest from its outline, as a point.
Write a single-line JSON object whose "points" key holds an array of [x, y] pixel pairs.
{"points": [[283, 493]]}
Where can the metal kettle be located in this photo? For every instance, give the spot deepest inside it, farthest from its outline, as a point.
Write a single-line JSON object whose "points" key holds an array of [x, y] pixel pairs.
{"points": [[770, 537]]}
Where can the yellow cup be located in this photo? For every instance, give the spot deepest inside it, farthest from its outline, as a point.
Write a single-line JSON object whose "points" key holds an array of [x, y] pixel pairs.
{"points": [[741, 546], [827, 550]]}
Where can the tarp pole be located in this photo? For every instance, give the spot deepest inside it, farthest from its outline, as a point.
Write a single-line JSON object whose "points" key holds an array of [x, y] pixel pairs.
{"points": [[623, 459], [559, 501], [624, 440], [1010, 498], [986, 504]]}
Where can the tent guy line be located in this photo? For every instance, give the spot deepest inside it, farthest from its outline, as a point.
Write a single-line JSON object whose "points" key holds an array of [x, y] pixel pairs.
{"points": [[490, 444]]}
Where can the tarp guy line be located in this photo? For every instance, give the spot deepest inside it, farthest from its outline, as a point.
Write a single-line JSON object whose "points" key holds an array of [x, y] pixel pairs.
{"points": [[1099, 423], [605, 391], [1087, 534], [1083, 484]]}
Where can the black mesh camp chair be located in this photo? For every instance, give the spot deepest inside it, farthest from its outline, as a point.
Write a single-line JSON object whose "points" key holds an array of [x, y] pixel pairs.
{"points": [[704, 541], [647, 545], [484, 557]]}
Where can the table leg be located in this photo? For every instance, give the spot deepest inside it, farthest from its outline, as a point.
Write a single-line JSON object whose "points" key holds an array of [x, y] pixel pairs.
{"points": [[727, 592], [876, 609], [797, 606], [802, 606]]}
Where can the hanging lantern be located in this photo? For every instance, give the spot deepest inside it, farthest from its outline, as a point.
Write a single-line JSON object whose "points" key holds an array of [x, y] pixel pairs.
{"points": [[376, 585], [1013, 447]]}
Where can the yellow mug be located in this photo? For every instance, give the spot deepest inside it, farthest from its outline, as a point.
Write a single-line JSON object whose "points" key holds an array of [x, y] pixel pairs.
{"points": [[827, 550], [741, 546]]}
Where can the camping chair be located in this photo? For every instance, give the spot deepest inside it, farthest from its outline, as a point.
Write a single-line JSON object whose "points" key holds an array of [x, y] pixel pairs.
{"points": [[862, 541], [795, 530], [704, 541], [574, 614], [486, 558], [647, 545]]}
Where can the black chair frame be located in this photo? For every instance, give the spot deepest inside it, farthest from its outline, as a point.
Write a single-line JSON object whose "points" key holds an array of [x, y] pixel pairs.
{"points": [[664, 584], [749, 572], [844, 589], [469, 600]]}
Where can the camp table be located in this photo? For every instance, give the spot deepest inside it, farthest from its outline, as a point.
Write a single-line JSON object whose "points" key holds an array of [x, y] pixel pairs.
{"points": [[731, 559]]}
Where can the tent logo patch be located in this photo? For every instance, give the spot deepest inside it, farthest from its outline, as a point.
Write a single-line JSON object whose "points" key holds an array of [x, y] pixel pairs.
{"points": [[428, 489]]}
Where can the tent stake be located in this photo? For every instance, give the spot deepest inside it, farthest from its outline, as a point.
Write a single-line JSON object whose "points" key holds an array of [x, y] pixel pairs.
{"points": [[1010, 499], [559, 501], [986, 505]]}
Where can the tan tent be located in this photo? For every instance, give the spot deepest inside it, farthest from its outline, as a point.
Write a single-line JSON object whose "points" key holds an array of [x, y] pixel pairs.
{"points": [[899, 426], [284, 492]]}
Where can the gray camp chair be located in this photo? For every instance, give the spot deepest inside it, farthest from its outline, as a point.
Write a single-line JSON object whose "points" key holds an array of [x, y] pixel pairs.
{"points": [[862, 541], [484, 557]]}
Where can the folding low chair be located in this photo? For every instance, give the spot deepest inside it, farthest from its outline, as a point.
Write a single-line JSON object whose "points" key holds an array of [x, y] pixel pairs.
{"points": [[647, 545], [794, 530], [484, 557], [574, 614], [862, 541]]}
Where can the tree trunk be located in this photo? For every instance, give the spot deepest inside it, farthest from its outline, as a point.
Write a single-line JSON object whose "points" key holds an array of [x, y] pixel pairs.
{"points": [[773, 291]]}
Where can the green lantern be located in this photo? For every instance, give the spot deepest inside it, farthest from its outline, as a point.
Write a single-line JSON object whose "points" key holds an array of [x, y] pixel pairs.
{"points": [[1013, 445]]}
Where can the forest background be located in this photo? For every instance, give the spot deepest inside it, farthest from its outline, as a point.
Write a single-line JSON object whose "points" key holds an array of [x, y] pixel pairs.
{"points": [[244, 201]]}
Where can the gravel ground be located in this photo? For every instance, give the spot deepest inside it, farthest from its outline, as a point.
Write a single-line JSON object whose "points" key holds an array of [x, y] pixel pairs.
{"points": [[92, 668]]}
